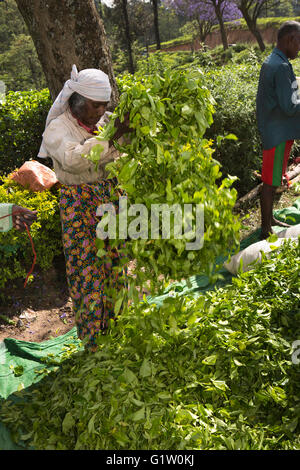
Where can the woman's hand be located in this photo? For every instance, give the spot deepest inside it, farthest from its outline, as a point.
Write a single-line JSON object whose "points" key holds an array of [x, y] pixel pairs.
{"points": [[122, 127], [22, 216]]}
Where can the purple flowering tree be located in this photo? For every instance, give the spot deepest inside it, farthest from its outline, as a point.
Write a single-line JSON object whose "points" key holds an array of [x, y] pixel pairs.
{"points": [[207, 13], [203, 14]]}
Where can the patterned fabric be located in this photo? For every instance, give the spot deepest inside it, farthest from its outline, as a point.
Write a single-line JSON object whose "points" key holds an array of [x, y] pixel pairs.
{"points": [[86, 273]]}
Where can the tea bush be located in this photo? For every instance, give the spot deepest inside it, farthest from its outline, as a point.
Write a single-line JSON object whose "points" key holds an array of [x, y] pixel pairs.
{"points": [[15, 248], [234, 88], [22, 121], [232, 79]]}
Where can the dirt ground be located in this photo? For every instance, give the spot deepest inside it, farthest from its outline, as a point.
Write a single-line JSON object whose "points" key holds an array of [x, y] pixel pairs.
{"points": [[43, 310], [40, 311]]}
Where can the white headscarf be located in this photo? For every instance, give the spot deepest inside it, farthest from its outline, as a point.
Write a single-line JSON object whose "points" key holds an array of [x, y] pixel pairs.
{"points": [[90, 83]]}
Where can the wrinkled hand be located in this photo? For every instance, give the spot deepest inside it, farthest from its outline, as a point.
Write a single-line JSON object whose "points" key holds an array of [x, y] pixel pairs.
{"points": [[22, 216], [122, 127]]}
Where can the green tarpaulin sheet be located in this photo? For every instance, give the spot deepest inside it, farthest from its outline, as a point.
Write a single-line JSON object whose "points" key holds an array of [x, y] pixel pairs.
{"points": [[22, 362]]}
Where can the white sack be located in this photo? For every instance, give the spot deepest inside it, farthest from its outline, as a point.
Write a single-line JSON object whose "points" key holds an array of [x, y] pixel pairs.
{"points": [[252, 254]]}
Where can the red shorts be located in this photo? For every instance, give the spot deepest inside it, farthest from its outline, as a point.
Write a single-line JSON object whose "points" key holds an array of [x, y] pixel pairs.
{"points": [[275, 163]]}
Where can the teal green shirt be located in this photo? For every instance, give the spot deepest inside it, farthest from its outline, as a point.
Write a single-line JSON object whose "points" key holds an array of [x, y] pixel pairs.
{"points": [[6, 223], [277, 102]]}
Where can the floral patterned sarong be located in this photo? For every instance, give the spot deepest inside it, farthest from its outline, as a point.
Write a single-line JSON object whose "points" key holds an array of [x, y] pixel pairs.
{"points": [[86, 273]]}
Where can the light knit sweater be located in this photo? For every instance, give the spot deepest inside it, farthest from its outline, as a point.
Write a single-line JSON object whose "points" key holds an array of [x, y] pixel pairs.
{"points": [[6, 223], [66, 142]]}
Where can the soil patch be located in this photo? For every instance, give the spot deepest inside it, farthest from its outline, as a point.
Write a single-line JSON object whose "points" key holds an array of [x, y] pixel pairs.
{"points": [[40, 311]]}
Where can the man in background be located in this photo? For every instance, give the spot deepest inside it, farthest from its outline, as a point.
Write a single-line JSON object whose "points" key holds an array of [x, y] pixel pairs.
{"points": [[278, 117]]}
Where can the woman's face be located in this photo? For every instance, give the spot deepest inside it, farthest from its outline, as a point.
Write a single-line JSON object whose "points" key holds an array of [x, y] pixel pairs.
{"points": [[92, 112]]}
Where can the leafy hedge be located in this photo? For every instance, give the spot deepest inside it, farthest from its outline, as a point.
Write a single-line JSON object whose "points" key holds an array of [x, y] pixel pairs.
{"points": [[231, 76], [262, 23], [22, 121], [15, 248], [215, 372], [234, 88]]}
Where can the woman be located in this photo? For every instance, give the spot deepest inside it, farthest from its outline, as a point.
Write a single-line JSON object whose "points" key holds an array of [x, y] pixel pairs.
{"points": [[77, 113]]}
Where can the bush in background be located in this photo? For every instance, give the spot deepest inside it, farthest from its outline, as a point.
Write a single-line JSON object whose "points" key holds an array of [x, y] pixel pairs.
{"points": [[16, 254], [232, 77], [22, 122], [234, 88]]}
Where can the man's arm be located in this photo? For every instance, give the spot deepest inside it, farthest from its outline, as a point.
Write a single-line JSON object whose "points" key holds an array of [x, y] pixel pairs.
{"points": [[286, 90]]}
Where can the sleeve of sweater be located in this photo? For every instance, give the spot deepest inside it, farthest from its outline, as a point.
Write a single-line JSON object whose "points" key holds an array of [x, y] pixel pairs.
{"points": [[6, 222], [286, 90], [65, 148]]}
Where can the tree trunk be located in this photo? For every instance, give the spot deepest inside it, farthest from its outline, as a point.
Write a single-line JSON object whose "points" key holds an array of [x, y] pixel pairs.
{"points": [[251, 23], [67, 32], [259, 38], [219, 15], [204, 28], [156, 26], [127, 35]]}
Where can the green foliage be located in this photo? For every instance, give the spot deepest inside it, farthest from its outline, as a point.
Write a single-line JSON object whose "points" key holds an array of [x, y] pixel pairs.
{"points": [[232, 78], [22, 122], [190, 30], [158, 62], [16, 254], [167, 161], [20, 68], [262, 23], [19, 65], [234, 88], [121, 57], [208, 373], [285, 8], [11, 24]]}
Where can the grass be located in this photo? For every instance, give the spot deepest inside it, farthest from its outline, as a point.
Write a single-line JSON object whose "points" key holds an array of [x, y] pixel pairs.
{"points": [[262, 23]]}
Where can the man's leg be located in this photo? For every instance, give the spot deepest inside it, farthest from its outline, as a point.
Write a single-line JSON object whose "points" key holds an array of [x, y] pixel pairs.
{"points": [[276, 221], [281, 169], [274, 166], [266, 207]]}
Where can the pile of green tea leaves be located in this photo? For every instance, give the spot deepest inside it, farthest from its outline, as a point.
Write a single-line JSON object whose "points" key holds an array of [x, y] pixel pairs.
{"points": [[166, 161], [212, 372]]}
